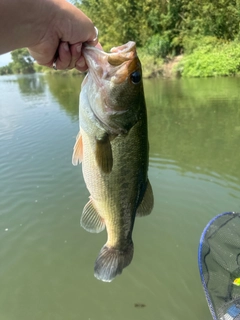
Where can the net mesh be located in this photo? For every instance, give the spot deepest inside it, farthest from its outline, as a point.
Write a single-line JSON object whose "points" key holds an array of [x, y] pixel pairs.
{"points": [[219, 265]]}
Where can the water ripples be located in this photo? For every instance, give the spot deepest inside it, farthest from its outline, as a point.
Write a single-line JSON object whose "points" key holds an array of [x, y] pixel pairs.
{"points": [[47, 259]]}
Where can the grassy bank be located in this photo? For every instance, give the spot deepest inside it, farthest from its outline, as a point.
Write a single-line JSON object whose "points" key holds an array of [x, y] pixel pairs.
{"points": [[211, 58], [203, 57]]}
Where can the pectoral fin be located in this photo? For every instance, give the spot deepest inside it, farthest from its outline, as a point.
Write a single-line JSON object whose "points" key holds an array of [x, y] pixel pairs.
{"points": [[77, 150], [146, 206], [91, 220], [104, 156]]}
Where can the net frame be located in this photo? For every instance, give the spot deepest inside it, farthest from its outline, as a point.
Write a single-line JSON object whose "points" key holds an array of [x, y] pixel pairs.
{"points": [[219, 249]]}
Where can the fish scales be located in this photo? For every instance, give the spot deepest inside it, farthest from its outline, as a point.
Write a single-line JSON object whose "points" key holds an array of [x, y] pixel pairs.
{"points": [[120, 185], [113, 148]]}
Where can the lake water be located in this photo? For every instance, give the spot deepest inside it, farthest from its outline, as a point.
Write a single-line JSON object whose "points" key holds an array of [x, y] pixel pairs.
{"points": [[47, 259]]}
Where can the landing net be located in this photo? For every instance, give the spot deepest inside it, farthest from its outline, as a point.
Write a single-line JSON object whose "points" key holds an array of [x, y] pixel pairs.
{"points": [[219, 265]]}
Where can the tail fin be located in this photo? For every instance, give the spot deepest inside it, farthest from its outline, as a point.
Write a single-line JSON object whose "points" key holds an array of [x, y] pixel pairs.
{"points": [[111, 262]]}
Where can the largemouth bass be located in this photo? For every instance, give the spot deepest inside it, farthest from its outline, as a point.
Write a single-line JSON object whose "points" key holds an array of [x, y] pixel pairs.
{"points": [[113, 147]]}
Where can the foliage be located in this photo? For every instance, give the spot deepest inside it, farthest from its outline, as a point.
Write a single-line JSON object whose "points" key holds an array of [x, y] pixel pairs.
{"points": [[163, 29], [200, 29], [6, 70], [118, 21], [221, 59], [22, 61], [151, 65], [158, 46], [173, 21], [190, 44], [40, 69]]}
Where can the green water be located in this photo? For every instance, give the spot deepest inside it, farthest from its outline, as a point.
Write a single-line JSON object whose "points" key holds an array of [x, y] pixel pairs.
{"points": [[47, 259]]}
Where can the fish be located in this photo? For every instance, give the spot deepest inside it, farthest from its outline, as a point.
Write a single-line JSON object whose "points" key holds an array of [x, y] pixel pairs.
{"points": [[236, 282], [113, 147]]}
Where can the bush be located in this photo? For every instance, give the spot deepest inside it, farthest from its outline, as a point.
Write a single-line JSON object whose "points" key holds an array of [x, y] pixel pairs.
{"points": [[211, 60], [158, 46], [5, 70], [192, 43], [151, 66]]}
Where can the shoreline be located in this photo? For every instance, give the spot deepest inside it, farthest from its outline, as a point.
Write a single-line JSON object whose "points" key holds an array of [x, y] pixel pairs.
{"points": [[167, 69]]}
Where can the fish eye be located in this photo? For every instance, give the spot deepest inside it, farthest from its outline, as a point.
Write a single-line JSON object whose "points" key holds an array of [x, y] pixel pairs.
{"points": [[136, 77]]}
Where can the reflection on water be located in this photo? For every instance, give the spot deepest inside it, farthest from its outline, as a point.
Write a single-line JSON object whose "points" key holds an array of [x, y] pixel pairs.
{"points": [[28, 84], [66, 91], [47, 259], [31, 85], [196, 123]]}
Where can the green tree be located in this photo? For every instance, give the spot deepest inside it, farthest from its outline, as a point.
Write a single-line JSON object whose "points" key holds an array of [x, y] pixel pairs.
{"points": [[22, 61], [219, 18], [6, 70], [168, 24], [122, 21]]}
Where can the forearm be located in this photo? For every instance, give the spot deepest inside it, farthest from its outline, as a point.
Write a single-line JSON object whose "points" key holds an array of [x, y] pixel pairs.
{"points": [[48, 28], [20, 23]]}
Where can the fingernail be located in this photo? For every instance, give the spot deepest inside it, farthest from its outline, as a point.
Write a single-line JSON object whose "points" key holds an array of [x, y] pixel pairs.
{"points": [[79, 48], [81, 63], [65, 46]]}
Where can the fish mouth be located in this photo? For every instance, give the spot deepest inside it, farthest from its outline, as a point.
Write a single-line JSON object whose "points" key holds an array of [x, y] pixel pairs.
{"points": [[113, 66], [105, 72]]}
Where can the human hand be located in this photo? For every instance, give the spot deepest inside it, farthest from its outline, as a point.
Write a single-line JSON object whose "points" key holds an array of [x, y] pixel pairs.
{"points": [[63, 36]]}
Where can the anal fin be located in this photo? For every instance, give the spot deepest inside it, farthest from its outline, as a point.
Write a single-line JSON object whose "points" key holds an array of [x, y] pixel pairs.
{"points": [[91, 220], [77, 150], [146, 206]]}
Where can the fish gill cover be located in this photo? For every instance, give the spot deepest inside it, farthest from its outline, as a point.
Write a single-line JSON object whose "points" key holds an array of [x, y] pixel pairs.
{"points": [[219, 265]]}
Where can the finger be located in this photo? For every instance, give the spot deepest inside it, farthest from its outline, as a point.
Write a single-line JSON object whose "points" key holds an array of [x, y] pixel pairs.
{"points": [[75, 50], [94, 41], [63, 56], [81, 64], [41, 57]]}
